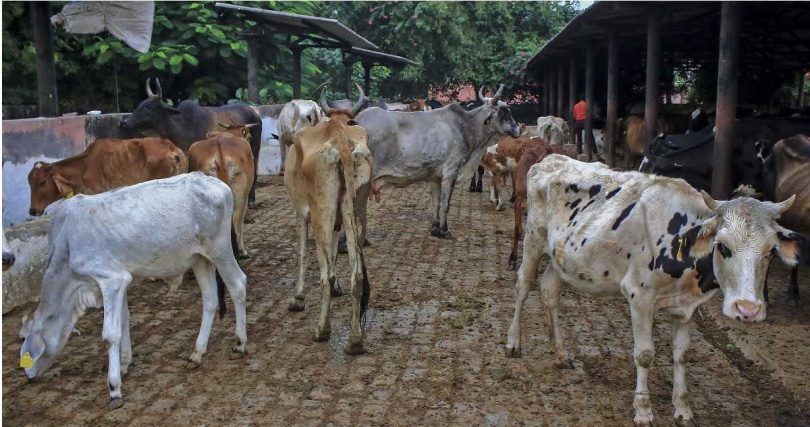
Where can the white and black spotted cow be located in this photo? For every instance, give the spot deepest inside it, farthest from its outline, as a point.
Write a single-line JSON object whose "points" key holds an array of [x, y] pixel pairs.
{"points": [[158, 229], [647, 238]]}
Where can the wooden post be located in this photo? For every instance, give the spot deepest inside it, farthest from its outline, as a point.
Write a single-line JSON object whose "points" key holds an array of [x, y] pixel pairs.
{"points": [[572, 95], [253, 68], [590, 145], [347, 84], [367, 77], [297, 72], [552, 93], [612, 95], [46, 67], [653, 90], [546, 93], [561, 90], [802, 78], [726, 99]]}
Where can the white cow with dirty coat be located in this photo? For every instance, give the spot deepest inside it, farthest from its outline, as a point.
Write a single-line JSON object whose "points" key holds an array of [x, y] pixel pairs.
{"points": [[158, 229], [649, 239], [296, 115]]}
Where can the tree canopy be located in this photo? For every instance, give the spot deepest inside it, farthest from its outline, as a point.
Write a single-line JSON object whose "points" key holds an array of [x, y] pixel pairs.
{"points": [[198, 56]]}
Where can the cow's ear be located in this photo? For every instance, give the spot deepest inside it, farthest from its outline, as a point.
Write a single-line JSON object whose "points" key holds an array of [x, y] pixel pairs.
{"points": [[793, 248], [62, 185], [700, 239], [169, 109]]}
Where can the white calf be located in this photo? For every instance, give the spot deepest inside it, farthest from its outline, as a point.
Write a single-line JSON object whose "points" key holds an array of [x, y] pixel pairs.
{"points": [[647, 238], [158, 229]]}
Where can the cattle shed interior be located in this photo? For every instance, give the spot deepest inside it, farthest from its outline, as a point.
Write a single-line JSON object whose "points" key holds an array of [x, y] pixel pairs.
{"points": [[619, 53], [305, 32]]}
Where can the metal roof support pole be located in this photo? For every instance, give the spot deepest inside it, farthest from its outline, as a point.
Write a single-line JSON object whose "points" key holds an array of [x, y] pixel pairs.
{"points": [[367, 77], [572, 95], [590, 144], [652, 97], [726, 99], [46, 67], [297, 72], [552, 90], [612, 95], [561, 90], [347, 84], [253, 68]]}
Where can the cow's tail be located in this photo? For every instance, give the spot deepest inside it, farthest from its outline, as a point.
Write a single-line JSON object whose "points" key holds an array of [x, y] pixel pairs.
{"points": [[349, 192], [223, 308]]}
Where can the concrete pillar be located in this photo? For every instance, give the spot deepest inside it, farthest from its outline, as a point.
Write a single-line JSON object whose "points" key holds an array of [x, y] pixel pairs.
{"points": [[726, 99]]}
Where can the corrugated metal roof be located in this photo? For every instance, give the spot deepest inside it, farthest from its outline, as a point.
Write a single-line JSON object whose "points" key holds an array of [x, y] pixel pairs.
{"points": [[385, 58]]}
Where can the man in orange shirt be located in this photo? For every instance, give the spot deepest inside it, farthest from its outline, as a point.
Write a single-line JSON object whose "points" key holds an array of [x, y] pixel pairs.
{"points": [[579, 121]]}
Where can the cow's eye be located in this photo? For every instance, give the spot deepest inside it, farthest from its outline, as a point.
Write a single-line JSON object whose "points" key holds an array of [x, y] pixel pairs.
{"points": [[724, 251], [41, 183], [773, 251]]}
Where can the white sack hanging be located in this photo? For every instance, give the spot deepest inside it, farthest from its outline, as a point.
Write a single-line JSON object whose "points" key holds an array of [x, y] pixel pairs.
{"points": [[129, 21]]}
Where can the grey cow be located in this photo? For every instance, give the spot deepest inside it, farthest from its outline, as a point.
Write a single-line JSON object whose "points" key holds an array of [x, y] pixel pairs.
{"points": [[437, 146], [158, 229]]}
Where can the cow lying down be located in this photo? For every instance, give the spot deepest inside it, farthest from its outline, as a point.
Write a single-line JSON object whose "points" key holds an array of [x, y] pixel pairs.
{"points": [[100, 242], [654, 240]]}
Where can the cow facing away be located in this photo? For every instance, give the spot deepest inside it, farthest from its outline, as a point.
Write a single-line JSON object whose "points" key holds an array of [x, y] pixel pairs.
{"points": [[105, 164], [553, 130], [437, 146], [500, 160], [188, 123], [649, 239], [786, 173], [296, 115], [227, 156], [156, 229], [328, 178]]}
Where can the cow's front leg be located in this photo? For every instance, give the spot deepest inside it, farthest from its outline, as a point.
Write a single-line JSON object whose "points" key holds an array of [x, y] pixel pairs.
{"points": [[126, 344], [435, 200], [297, 301], [494, 190], [641, 315], [680, 394], [526, 276], [206, 279], [114, 292], [550, 286], [448, 183], [501, 193]]}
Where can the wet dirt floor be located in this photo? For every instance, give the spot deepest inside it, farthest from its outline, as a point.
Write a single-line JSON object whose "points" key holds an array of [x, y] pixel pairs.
{"points": [[436, 329]]}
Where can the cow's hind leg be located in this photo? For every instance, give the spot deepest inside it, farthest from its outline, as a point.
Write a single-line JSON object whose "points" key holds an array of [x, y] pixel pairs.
{"points": [[550, 286], [680, 394], [501, 193], [239, 211], [297, 301], [448, 183], [114, 291], [126, 344], [336, 290], [236, 281], [641, 316], [326, 261], [435, 199], [518, 229], [206, 279], [532, 252]]}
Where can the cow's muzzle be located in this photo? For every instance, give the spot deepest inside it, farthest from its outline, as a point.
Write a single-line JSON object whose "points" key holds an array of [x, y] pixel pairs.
{"points": [[748, 311]]}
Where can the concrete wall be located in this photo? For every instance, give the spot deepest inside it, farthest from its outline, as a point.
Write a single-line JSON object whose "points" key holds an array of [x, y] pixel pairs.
{"points": [[22, 282], [28, 141]]}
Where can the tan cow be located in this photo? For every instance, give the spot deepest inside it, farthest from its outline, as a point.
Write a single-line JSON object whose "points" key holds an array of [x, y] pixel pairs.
{"points": [[500, 160], [106, 164], [328, 175], [227, 156], [632, 130], [418, 105]]}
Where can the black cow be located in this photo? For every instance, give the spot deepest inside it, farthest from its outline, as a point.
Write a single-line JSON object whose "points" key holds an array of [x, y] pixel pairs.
{"points": [[188, 123]]}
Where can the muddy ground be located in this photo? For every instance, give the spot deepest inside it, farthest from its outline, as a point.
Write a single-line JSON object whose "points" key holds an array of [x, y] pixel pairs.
{"points": [[436, 329]]}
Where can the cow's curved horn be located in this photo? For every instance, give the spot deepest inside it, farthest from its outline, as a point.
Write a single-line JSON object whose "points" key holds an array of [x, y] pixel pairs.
{"points": [[481, 94], [360, 102], [149, 92], [497, 95], [781, 207], [710, 202], [320, 86], [160, 91], [324, 102]]}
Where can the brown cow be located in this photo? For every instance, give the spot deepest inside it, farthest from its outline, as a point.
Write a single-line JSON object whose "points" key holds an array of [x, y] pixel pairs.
{"points": [[418, 105], [631, 131], [328, 176], [227, 156], [106, 164], [535, 154], [501, 160]]}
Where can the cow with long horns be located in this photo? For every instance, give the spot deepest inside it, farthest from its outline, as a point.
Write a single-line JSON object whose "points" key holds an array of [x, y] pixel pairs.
{"points": [[189, 123], [437, 146]]}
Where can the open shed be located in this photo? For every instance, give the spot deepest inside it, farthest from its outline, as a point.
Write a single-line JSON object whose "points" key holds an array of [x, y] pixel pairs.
{"points": [[756, 43]]}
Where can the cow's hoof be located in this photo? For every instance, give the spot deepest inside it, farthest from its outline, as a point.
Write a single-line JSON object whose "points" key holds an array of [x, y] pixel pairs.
{"points": [[644, 421], [471, 189], [436, 232], [336, 290], [250, 220], [366, 243], [191, 364], [564, 363], [243, 254], [115, 403], [513, 352], [354, 349], [479, 189], [685, 423], [236, 353], [342, 249], [296, 305], [500, 207], [512, 266], [321, 336], [253, 205], [447, 235]]}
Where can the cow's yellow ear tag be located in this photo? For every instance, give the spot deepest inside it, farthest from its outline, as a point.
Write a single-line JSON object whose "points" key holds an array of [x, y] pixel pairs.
{"points": [[69, 195], [681, 244], [27, 361]]}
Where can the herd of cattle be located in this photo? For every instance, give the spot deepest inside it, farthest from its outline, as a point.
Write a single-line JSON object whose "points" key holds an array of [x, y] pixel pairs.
{"points": [[653, 238]]}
